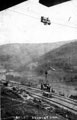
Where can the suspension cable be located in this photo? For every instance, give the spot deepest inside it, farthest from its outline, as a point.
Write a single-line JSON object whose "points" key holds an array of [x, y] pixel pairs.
{"points": [[64, 25]]}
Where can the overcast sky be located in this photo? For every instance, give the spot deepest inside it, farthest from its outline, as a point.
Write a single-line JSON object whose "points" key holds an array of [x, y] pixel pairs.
{"points": [[21, 23]]}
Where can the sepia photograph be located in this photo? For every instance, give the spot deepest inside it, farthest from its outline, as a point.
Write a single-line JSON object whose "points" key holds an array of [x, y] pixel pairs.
{"points": [[38, 59]]}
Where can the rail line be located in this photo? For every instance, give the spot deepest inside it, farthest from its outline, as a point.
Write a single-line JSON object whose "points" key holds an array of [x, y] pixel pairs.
{"points": [[41, 90], [55, 96], [64, 99], [55, 102], [58, 103], [74, 101], [60, 98]]}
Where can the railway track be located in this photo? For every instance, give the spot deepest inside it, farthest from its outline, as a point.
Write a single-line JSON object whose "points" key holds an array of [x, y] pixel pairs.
{"points": [[59, 101], [51, 101], [64, 99], [59, 97], [72, 107], [53, 94], [56, 96]]}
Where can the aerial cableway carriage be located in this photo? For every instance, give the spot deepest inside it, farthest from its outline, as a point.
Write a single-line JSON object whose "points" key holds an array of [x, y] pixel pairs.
{"points": [[46, 21]]}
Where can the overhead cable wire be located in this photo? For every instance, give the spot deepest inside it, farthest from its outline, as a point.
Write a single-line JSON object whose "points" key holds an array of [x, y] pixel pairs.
{"points": [[64, 25], [24, 14], [55, 18]]}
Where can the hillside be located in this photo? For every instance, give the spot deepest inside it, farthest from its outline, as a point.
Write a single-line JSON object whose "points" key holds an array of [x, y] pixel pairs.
{"points": [[63, 59], [66, 54], [17, 56]]}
